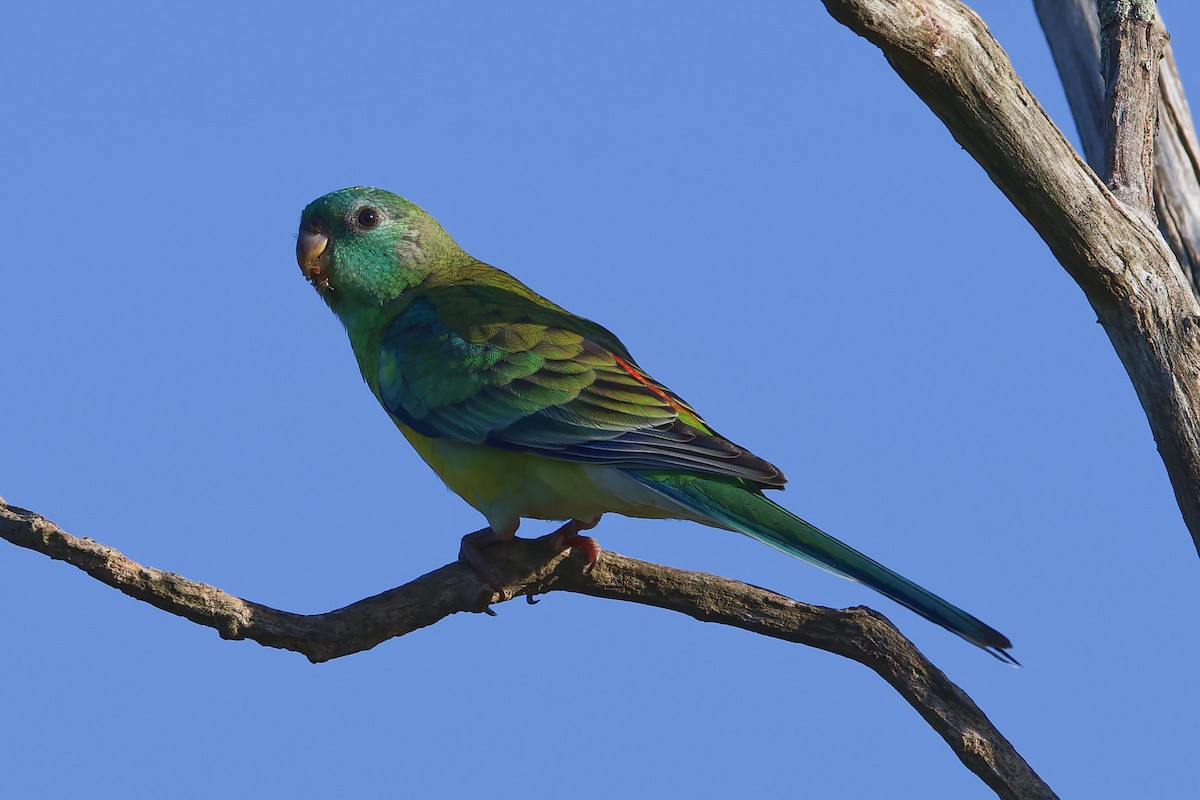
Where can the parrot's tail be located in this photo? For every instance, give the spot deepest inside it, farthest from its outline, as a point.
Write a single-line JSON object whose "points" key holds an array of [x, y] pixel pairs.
{"points": [[748, 511]]}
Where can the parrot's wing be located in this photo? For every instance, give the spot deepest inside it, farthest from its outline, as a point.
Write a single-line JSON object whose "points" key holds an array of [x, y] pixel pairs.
{"points": [[481, 364]]}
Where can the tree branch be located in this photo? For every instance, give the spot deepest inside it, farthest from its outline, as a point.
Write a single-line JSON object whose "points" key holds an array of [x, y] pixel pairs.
{"points": [[1131, 47], [945, 53], [527, 567], [1177, 172], [1072, 29]]}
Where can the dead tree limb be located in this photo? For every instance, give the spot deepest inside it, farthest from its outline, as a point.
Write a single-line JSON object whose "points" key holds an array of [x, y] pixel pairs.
{"points": [[1112, 249], [528, 567], [1072, 29], [1131, 47]]}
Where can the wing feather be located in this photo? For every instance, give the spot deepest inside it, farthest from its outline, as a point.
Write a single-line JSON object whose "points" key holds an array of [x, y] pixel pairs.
{"points": [[485, 365]]}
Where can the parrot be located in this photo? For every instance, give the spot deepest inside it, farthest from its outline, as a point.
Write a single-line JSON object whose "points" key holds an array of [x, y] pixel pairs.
{"points": [[527, 411]]}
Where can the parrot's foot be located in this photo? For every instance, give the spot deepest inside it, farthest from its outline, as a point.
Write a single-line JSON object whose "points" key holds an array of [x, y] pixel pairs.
{"points": [[568, 537], [470, 550]]}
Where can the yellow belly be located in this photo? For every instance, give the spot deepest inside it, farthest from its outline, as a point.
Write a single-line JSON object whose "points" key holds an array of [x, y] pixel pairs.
{"points": [[505, 485]]}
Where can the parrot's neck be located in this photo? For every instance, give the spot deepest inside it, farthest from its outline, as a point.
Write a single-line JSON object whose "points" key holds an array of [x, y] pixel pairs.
{"points": [[365, 328]]}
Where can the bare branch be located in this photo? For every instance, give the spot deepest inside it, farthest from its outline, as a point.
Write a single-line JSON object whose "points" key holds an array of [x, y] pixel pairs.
{"points": [[527, 567], [1131, 47], [1177, 172], [945, 53], [1072, 28]]}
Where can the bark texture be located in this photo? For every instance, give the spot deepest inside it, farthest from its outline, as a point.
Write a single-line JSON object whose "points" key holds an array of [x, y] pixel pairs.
{"points": [[529, 567], [1130, 51], [1112, 249], [1072, 28]]}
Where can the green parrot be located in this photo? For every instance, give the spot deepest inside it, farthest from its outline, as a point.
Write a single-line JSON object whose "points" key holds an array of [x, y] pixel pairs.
{"points": [[525, 410]]}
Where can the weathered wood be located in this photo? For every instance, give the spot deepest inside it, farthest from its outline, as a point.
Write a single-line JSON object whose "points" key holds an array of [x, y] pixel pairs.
{"points": [[1131, 47], [1072, 29], [945, 53], [1177, 172], [530, 567]]}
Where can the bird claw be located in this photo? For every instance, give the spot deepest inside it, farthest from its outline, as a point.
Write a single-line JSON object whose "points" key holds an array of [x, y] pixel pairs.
{"points": [[470, 551], [568, 537], [590, 549]]}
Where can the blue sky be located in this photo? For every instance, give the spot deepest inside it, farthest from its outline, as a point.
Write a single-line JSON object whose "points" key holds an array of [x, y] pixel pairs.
{"points": [[773, 224]]}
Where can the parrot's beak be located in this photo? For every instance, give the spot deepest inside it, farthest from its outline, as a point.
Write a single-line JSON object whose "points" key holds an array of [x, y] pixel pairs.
{"points": [[312, 255]]}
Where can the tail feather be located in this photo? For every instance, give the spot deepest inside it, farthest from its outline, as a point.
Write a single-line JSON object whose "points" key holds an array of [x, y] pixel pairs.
{"points": [[749, 512]]}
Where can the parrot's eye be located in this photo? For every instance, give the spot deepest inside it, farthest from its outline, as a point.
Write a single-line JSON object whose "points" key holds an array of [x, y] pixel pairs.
{"points": [[367, 218]]}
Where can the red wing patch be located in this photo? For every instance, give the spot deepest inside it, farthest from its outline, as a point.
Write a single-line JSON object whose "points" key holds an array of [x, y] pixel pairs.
{"points": [[644, 380]]}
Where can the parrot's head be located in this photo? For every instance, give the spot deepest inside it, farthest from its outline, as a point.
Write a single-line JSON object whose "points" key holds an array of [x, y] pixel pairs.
{"points": [[363, 247]]}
